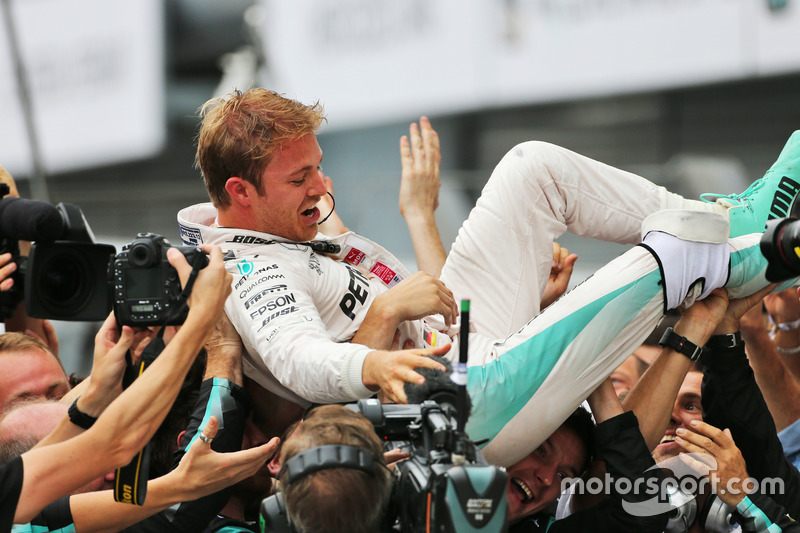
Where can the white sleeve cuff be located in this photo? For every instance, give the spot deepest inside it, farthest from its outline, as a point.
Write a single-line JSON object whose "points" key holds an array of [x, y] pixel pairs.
{"points": [[352, 375]]}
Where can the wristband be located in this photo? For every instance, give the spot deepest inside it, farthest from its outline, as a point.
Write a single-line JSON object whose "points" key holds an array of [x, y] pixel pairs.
{"points": [[785, 326], [724, 341], [782, 326], [680, 344], [80, 419]]}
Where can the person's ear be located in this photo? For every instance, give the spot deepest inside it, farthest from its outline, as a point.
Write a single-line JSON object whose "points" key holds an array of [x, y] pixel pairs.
{"points": [[180, 437], [239, 191], [274, 465]]}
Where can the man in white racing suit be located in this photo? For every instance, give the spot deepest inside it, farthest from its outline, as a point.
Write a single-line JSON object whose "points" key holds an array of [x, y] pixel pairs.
{"points": [[317, 315]]}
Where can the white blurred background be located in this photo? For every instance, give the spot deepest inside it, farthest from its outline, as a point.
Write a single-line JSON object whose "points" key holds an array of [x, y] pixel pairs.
{"points": [[698, 95]]}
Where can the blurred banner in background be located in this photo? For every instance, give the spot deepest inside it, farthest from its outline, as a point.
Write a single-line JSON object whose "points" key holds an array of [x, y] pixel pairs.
{"points": [[96, 72], [372, 61]]}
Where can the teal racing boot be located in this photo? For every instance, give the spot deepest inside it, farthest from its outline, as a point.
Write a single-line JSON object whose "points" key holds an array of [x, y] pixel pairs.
{"points": [[773, 196]]}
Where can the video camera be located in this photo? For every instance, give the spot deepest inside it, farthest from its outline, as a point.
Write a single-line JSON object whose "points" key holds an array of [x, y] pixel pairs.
{"points": [[444, 486], [68, 276], [58, 279]]}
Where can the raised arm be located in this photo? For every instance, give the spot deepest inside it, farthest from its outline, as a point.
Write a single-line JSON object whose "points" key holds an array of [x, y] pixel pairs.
{"points": [[420, 158], [201, 472], [129, 422], [652, 398], [780, 388], [418, 296]]}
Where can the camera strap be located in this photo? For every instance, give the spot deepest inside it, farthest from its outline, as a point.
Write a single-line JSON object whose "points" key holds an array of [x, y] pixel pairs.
{"points": [[181, 304], [130, 484], [196, 266]]}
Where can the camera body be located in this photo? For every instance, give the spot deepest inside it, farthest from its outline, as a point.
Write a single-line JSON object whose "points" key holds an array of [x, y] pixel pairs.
{"points": [[146, 288]]}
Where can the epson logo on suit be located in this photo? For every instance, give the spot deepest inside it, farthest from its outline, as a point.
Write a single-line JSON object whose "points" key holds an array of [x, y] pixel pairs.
{"points": [[280, 301]]}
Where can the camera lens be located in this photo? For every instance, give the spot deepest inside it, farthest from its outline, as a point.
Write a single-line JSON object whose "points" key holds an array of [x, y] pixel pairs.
{"points": [[790, 240], [64, 283], [142, 254]]}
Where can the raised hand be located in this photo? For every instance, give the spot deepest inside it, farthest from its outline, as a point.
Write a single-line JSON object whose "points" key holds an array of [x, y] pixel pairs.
{"points": [[560, 274], [715, 449], [418, 296], [333, 225], [212, 286], [419, 194], [389, 371], [203, 471], [420, 158]]}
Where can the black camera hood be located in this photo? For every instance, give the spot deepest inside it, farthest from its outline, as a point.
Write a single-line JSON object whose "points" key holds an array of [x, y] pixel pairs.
{"points": [[76, 228]]}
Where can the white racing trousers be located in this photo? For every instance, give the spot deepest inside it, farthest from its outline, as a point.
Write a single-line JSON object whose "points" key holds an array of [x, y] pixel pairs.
{"points": [[527, 371]]}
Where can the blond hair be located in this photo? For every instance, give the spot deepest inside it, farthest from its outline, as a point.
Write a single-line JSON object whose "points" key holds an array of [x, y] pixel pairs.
{"points": [[240, 133]]}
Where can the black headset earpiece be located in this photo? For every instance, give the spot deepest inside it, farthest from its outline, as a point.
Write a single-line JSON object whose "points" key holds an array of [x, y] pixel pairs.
{"points": [[274, 517], [329, 456]]}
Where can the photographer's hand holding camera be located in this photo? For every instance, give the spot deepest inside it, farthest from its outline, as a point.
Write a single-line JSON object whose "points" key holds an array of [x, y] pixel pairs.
{"points": [[20, 321], [7, 267], [201, 471], [211, 288], [104, 384], [128, 423]]}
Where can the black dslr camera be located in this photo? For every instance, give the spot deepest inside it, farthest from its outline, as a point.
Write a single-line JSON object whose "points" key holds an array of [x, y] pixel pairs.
{"points": [[147, 291]]}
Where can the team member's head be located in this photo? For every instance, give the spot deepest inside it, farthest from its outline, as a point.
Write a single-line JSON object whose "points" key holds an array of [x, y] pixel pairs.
{"points": [[687, 408], [24, 423], [336, 499], [535, 481], [625, 376], [29, 370], [260, 160]]}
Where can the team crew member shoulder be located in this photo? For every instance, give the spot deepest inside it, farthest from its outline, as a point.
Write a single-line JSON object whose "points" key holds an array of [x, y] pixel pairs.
{"points": [[295, 308]]}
